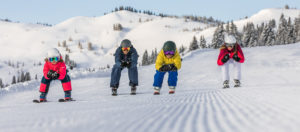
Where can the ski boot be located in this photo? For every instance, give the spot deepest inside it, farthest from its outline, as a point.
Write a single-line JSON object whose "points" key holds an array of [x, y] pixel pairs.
{"points": [[226, 84], [156, 90], [237, 83], [68, 96], [43, 97], [171, 89], [114, 91], [133, 90]]}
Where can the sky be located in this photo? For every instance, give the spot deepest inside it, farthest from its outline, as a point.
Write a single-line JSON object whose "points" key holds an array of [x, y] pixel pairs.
{"points": [[56, 11]]}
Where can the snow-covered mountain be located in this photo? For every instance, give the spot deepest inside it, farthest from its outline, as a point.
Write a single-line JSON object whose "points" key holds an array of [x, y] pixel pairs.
{"points": [[26, 44]]}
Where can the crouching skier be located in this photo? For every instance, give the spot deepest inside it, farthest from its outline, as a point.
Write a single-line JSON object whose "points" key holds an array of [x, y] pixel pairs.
{"points": [[231, 53], [168, 60], [126, 56], [54, 69]]}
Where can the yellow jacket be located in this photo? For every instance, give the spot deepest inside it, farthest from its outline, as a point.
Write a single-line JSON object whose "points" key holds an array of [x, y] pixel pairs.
{"points": [[162, 60]]}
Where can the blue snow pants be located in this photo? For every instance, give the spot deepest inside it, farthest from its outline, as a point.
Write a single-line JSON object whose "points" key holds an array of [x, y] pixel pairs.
{"points": [[116, 75], [159, 77]]}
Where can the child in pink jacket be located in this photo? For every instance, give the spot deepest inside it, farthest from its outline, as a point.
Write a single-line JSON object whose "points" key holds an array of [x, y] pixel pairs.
{"points": [[54, 69]]}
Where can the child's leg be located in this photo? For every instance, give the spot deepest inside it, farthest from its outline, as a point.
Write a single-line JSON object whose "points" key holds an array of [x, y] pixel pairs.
{"points": [[158, 78], [66, 84], [225, 71], [237, 70], [172, 80], [133, 76], [115, 76], [44, 87]]}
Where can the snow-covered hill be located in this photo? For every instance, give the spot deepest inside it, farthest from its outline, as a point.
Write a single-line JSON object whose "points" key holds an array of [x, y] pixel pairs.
{"points": [[267, 101]]}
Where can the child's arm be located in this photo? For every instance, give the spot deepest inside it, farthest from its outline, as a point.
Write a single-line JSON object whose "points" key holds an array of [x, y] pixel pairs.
{"points": [[177, 60], [62, 71], [46, 70]]}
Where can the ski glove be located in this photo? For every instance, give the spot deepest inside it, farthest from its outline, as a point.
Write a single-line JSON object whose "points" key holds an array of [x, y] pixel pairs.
{"points": [[169, 67], [125, 64], [55, 75], [49, 74], [225, 58], [236, 58]]}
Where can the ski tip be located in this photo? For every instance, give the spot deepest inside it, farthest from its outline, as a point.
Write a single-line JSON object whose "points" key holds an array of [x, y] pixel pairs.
{"points": [[35, 101]]}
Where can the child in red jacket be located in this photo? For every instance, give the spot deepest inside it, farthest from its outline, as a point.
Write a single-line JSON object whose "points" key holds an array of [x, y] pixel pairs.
{"points": [[54, 69], [231, 53]]}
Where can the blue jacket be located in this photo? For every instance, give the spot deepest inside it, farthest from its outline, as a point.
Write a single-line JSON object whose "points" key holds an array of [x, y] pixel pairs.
{"points": [[132, 56]]}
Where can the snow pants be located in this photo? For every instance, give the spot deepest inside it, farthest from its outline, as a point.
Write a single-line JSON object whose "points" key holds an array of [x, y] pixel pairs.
{"points": [[66, 84], [236, 70], [116, 75], [159, 77]]}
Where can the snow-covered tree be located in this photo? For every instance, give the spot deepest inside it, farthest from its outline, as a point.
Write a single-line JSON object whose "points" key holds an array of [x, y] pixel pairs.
{"points": [[90, 47], [297, 28], [290, 36], [267, 37], [14, 80], [281, 31], [218, 37], [194, 44], [202, 42], [181, 49], [145, 59]]}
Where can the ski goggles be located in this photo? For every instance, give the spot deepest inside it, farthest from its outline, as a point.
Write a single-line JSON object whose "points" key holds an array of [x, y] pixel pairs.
{"points": [[126, 48], [51, 59], [169, 52]]}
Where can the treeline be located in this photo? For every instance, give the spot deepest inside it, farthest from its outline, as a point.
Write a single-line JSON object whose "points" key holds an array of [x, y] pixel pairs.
{"points": [[202, 19], [288, 31]]}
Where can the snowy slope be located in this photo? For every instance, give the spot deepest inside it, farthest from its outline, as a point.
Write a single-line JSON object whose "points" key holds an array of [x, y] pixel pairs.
{"points": [[268, 100]]}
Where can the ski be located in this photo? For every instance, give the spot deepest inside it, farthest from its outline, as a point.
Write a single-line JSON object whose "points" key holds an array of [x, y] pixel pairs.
{"points": [[63, 100], [38, 101]]}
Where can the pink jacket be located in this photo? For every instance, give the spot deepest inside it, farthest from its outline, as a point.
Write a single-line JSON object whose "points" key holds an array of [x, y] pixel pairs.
{"points": [[236, 50], [59, 67]]}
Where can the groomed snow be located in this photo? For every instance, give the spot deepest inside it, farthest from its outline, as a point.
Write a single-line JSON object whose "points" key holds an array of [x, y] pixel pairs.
{"points": [[267, 101]]}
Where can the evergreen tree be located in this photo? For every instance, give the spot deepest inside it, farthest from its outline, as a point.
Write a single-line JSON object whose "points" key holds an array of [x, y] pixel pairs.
{"points": [[181, 49], [27, 76], [234, 31], [14, 80], [218, 37], [290, 36], [194, 44], [90, 47], [145, 60], [281, 31], [22, 77], [202, 42], [297, 28], [1, 83]]}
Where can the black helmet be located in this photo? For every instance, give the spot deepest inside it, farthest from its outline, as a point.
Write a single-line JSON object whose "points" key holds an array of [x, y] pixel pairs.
{"points": [[126, 43], [169, 46]]}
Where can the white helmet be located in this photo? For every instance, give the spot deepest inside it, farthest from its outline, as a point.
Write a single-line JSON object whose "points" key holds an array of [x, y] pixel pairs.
{"points": [[229, 39], [53, 53]]}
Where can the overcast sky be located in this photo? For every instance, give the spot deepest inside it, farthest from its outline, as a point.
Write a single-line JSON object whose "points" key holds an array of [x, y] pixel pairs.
{"points": [[56, 11]]}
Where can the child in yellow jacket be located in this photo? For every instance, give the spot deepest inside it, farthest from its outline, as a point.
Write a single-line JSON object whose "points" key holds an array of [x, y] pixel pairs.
{"points": [[168, 60]]}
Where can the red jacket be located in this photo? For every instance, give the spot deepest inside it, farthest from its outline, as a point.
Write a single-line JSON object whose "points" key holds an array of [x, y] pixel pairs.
{"points": [[235, 50], [59, 67]]}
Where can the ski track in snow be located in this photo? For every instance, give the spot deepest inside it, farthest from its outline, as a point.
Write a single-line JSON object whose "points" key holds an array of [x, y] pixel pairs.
{"points": [[199, 103]]}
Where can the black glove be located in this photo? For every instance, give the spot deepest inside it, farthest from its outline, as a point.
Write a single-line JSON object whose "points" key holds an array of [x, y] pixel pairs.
{"points": [[125, 64], [173, 67], [49, 74], [55, 75], [236, 58], [225, 58], [169, 67]]}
